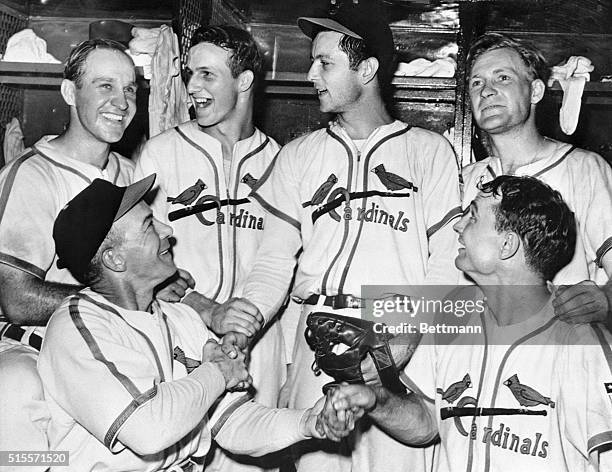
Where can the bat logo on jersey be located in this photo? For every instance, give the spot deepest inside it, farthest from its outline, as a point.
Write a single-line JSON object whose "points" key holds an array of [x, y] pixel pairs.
{"points": [[190, 364], [392, 181], [455, 390], [189, 195], [608, 387], [525, 395], [238, 219]]}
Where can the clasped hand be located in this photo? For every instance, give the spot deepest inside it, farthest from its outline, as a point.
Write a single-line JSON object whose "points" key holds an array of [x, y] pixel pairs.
{"points": [[341, 408]]}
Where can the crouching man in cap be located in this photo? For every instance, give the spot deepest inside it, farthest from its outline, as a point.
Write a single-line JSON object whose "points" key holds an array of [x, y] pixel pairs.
{"points": [[129, 379]]}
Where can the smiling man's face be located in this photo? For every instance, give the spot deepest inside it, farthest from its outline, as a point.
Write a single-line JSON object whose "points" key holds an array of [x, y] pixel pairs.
{"points": [[145, 246], [337, 85], [105, 99], [479, 242], [500, 87], [213, 89]]}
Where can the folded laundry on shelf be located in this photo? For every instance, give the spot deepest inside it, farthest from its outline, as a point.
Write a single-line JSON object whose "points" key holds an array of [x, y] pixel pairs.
{"points": [[421, 67]]}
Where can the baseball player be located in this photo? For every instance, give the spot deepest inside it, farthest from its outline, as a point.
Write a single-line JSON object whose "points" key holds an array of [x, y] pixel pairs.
{"points": [[506, 81], [491, 406], [216, 160], [129, 380], [366, 201], [100, 89]]}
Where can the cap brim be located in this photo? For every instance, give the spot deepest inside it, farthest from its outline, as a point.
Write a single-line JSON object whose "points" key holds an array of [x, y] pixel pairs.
{"points": [[311, 26], [133, 194]]}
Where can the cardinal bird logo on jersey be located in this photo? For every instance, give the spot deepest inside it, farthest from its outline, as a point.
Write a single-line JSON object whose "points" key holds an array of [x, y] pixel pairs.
{"points": [[392, 181], [189, 195], [190, 364], [321, 192], [525, 395], [456, 389]]}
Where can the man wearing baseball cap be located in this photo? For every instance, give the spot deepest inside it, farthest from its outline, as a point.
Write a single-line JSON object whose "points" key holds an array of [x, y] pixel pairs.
{"points": [[99, 87], [129, 379], [366, 201]]}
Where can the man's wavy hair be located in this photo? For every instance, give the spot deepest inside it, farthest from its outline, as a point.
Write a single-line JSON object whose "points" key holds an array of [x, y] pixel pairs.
{"points": [[541, 218], [531, 56], [245, 53], [74, 69]]}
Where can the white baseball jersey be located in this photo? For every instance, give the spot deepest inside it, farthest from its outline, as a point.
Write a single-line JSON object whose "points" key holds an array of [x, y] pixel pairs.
{"points": [[24, 414], [396, 198], [542, 389], [100, 364], [375, 215], [33, 189], [216, 246], [584, 180]]}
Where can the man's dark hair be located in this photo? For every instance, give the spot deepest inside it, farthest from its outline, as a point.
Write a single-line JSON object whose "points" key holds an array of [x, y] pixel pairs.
{"points": [[541, 218], [245, 53], [531, 56], [358, 51], [75, 64], [94, 271]]}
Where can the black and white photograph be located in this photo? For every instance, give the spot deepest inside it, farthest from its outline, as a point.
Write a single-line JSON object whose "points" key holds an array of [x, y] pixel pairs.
{"points": [[306, 235]]}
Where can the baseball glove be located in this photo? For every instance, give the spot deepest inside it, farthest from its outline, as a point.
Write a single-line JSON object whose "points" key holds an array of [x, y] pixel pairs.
{"points": [[327, 332]]}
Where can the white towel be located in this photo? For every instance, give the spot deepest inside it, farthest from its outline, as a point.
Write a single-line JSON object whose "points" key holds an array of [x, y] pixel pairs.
{"points": [[25, 46], [572, 76]]}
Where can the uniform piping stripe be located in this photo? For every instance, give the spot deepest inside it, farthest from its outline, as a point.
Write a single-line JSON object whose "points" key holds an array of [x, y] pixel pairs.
{"points": [[500, 369], [22, 265], [349, 183], [407, 381], [605, 345], [266, 175], [451, 215], [169, 337], [279, 214], [112, 310], [364, 201], [599, 440], [95, 349], [10, 180], [63, 166], [126, 413], [219, 232], [483, 367], [554, 164], [229, 411], [491, 171], [603, 249], [118, 171], [254, 152]]}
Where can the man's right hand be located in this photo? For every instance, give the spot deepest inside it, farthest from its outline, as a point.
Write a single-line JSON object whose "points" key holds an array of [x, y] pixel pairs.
{"points": [[173, 289], [402, 348], [236, 314], [234, 370], [344, 405]]}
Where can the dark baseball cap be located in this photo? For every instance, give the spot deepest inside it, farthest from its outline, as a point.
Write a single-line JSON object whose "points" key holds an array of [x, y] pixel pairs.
{"points": [[82, 225], [364, 20]]}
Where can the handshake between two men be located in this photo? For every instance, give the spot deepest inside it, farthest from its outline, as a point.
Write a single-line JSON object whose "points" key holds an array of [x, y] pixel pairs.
{"points": [[367, 358]]}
